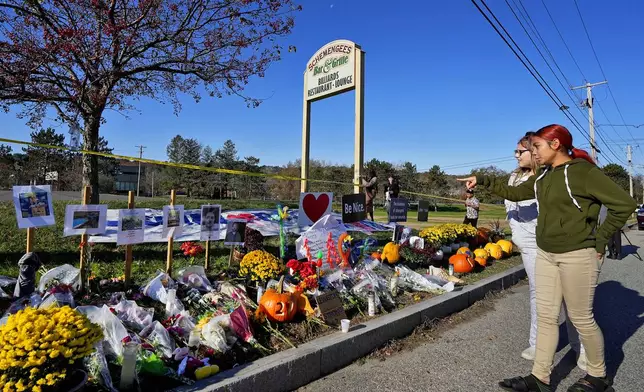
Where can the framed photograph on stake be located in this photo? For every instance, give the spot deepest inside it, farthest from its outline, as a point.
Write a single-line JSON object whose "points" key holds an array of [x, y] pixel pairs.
{"points": [[235, 232], [131, 227], [210, 215], [85, 219], [33, 206], [172, 221]]}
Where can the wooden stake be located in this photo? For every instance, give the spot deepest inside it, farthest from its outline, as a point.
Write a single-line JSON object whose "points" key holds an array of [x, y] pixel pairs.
{"points": [[207, 263], [128, 248], [87, 193], [30, 239], [230, 259], [168, 265]]}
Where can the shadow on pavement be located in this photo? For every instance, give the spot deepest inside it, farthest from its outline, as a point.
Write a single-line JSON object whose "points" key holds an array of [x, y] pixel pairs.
{"points": [[620, 313]]}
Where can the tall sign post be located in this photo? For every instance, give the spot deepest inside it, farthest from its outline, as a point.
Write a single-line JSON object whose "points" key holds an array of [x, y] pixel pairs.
{"points": [[335, 68]]}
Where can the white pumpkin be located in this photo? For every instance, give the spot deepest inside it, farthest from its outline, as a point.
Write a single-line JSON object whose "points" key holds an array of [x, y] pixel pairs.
{"points": [[438, 256]]}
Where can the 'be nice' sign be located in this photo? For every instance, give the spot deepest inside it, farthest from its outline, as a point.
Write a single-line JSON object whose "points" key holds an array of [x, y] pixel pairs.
{"points": [[353, 208]]}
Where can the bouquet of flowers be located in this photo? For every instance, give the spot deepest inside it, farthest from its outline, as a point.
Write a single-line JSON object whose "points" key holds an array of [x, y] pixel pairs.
{"points": [[40, 347], [305, 272], [191, 249], [260, 265]]}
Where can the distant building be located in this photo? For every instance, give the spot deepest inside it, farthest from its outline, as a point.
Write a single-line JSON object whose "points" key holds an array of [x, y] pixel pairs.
{"points": [[127, 176]]}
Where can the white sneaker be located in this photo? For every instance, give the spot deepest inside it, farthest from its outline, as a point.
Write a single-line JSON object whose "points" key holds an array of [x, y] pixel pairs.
{"points": [[581, 361], [529, 353]]}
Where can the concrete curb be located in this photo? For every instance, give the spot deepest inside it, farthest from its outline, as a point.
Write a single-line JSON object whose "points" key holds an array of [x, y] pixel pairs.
{"points": [[293, 368]]}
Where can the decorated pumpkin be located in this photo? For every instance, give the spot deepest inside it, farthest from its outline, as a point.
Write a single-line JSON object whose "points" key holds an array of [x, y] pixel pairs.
{"points": [[506, 246], [495, 251], [464, 251], [277, 305], [391, 253], [481, 253], [462, 263], [482, 261]]}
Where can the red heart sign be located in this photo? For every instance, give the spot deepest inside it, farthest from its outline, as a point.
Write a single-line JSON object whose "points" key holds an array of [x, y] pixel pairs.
{"points": [[313, 207]]}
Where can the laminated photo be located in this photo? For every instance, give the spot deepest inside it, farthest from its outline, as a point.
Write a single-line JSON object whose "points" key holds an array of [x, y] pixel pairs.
{"points": [[235, 232], [85, 219], [172, 221], [210, 227], [131, 227], [34, 206]]}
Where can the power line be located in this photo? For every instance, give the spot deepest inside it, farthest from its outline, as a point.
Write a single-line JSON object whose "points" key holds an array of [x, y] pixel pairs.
{"points": [[528, 21], [563, 40], [610, 91], [543, 83]]}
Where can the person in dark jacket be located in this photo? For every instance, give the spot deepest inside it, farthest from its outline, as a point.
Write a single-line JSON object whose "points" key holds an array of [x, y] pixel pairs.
{"points": [[570, 190], [392, 190]]}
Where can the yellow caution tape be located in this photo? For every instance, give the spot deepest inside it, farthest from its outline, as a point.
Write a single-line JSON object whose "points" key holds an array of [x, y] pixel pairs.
{"points": [[212, 169]]}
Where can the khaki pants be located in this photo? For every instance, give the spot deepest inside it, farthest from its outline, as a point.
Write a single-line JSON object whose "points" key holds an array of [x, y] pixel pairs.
{"points": [[571, 277]]}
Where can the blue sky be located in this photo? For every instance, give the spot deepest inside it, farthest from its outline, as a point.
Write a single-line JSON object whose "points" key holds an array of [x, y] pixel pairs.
{"points": [[441, 87]]}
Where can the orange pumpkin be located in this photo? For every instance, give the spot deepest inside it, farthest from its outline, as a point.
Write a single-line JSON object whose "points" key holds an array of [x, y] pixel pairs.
{"points": [[481, 261], [462, 263], [376, 255], [277, 305]]}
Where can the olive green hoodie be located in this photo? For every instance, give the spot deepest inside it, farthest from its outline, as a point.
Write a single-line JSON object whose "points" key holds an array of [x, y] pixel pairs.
{"points": [[569, 197]]}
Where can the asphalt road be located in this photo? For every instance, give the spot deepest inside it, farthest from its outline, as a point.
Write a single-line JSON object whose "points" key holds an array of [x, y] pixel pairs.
{"points": [[64, 195], [474, 355]]}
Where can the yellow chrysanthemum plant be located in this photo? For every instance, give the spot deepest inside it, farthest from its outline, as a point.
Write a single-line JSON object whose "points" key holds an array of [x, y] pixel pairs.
{"points": [[260, 266], [446, 234], [39, 348]]}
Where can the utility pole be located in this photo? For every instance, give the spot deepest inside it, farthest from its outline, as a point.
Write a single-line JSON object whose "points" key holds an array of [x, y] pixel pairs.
{"points": [[591, 120], [138, 178], [629, 157]]}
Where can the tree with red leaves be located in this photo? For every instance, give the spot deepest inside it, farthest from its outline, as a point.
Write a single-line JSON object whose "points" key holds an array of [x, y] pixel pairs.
{"points": [[82, 57]]}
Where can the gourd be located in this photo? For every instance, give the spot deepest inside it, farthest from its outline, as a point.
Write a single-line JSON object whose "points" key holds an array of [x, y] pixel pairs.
{"points": [[481, 253], [482, 261], [277, 305], [391, 253], [506, 246], [495, 251], [462, 263], [464, 251]]}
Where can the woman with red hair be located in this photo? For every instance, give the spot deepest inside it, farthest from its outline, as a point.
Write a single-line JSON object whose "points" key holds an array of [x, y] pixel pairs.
{"points": [[570, 191]]}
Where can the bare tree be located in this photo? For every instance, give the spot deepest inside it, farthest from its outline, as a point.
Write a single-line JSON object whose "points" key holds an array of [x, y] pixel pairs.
{"points": [[82, 57]]}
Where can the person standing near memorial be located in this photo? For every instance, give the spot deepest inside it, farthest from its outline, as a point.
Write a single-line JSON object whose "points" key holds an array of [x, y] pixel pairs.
{"points": [[522, 217], [370, 189], [392, 190], [472, 206], [570, 190]]}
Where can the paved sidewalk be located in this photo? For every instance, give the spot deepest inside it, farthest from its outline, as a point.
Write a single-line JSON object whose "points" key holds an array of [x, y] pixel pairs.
{"points": [[475, 355]]}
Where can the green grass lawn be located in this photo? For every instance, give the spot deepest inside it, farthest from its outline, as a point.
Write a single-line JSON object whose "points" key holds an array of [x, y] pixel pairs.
{"points": [[54, 249]]}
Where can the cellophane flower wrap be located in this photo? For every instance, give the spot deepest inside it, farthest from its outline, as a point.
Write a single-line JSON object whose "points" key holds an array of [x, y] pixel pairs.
{"points": [[260, 265], [40, 347]]}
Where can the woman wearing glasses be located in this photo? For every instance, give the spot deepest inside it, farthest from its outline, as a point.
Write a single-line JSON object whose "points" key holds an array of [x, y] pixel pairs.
{"points": [[522, 216], [569, 190]]}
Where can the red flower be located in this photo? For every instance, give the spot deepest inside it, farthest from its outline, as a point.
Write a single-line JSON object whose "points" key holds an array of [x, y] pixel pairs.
{"points": [[293, 264], [319, 263]]}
